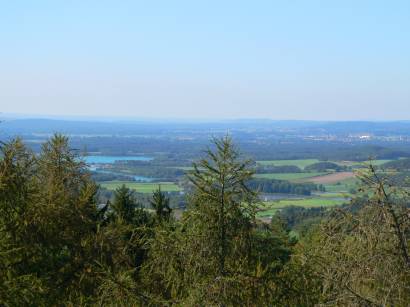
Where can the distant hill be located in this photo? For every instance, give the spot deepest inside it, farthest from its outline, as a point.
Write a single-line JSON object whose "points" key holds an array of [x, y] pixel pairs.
{"points": [[400, 165], [284, 127]]}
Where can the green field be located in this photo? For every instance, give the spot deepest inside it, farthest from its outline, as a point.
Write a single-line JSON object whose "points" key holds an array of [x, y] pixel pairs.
{"points": [[302, 163], [299, 163], [343, 186], [142, 187], [289, 176], [184, 168], [361, 163], [270, 208], [333, 195]]}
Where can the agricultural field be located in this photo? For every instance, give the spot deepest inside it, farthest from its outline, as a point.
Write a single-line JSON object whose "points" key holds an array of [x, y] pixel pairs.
{"points": [[343, 186], [290, 176], [331, 178], [357, 164], [142, 187], [302, 163], [268, 209]]}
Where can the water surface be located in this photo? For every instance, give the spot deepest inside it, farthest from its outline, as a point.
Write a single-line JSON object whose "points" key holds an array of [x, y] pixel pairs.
{"points": [[112, 159]]}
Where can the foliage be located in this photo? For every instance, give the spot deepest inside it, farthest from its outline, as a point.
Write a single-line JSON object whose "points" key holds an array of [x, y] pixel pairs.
{"points": [[160, 203], [360, 257], [59, 246], [48, 218]]}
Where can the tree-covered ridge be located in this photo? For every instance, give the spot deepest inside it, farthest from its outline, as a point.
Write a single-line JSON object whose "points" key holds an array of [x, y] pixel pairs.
{"points": [[59, 246], [400, 164], [324, 166]]}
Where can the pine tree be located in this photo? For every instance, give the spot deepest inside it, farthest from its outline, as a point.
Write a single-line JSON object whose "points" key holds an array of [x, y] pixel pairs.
{"points": [[208, 258], [160, 203], [51, 201], [124, 205], [224, 203]]}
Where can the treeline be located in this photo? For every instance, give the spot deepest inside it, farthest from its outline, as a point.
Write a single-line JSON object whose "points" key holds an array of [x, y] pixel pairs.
{"points": [[100, 177], [59, 246], [263, 185], [400, 165], [301, 220], [324, 167]]}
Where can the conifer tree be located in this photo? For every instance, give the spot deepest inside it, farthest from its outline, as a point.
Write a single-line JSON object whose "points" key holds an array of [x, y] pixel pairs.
{"points": [[124, 204], [224, 203], [160, 203]]}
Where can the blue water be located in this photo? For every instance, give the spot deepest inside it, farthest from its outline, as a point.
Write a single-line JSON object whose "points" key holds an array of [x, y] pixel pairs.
{"points": [[112, 159], [143, 179]]}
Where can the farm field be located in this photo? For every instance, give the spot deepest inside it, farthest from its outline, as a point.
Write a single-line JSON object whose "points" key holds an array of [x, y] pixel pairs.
{"points": [[142, 187], [331, 178], [290, 176], [333, 195], [299, 163], [343, 186], [269, 208], [302, 163], [362, 163]]}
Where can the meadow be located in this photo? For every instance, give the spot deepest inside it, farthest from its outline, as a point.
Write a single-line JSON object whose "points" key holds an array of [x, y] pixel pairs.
{"points": [[290, 176], [301, 163], [268, 209], [362, 163], [343, 186], [142, 187]]}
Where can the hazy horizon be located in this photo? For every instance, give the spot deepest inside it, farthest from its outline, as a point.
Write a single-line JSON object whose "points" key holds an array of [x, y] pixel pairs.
{"points": [[302, 60], [119, 119]]}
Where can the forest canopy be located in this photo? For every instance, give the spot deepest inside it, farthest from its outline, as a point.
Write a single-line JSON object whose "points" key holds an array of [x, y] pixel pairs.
{"points": [[60, 246]]}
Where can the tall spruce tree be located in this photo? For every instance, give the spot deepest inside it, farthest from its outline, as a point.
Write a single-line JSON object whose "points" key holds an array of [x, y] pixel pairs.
{"points": [[51, 201], [160, 203], [223, 202], [208, 258], [124, 205]]}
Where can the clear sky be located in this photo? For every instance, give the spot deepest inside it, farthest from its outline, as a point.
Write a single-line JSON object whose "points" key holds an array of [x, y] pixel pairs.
{"points": [[332, 60]]}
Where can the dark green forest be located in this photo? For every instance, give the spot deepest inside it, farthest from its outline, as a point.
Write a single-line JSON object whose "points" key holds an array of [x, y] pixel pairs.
{"points": [[60, 245]]}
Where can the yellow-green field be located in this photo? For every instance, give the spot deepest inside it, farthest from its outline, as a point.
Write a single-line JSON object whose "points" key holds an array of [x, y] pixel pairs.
{"points": [[269, 208], [142, 187], [289, 176]]}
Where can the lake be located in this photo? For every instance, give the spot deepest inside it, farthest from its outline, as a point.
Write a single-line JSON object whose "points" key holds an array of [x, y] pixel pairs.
{"points": [[135, 177], [112, 159]]}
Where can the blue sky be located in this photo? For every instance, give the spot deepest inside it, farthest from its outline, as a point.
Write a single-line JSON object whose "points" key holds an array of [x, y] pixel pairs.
{"points": [[332, 60]]}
